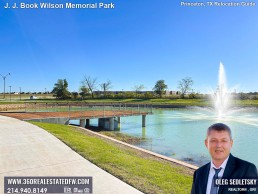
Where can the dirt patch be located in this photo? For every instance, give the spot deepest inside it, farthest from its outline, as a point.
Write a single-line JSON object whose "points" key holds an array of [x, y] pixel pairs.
{"points": [[71, 114], [124, 137], [8, 107]]}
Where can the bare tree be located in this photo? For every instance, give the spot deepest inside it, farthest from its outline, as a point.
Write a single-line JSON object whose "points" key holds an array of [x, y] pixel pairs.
{"points": [[90, 83], [106, 86], [137, 89], [185, 85]]}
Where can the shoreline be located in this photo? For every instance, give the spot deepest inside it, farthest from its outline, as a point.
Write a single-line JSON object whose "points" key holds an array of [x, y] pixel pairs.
{"points": [[142, 170], [184, 164], [97, 132]]}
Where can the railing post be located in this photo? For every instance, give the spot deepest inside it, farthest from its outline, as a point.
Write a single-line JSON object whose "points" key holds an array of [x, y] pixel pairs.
{"points": [[81, 109], [103, 110], [69, 109]]}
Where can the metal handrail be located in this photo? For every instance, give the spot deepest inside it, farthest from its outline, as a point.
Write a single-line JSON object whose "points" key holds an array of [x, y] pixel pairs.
{"points": [[125, 109]]}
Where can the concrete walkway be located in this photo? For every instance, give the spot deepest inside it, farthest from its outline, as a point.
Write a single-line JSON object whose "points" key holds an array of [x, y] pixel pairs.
{"points": [[27, 150]]}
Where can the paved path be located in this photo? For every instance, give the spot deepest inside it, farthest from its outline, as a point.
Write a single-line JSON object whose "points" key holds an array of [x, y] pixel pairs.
{"points": [[27, 150]]}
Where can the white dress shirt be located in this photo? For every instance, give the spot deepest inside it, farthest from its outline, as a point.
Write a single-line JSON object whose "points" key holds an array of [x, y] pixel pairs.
{"points": [[212, 173]]}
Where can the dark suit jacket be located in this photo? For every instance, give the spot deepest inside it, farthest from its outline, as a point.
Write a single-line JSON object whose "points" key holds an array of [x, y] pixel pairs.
{"points": [[235, 169]]}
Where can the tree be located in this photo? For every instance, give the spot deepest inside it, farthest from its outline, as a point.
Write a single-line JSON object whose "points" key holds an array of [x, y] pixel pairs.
{"points": [[106, 86], [137, 89], [90, 83], [184, 85], [148, 95], [60, 89], [160, 87], [83, 92], [74, 95]]}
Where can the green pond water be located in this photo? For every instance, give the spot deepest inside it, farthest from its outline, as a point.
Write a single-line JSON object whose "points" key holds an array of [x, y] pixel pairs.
{"points": [[180, 133]]}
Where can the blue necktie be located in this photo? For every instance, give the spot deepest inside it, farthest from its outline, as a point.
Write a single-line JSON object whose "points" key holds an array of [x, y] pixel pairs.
{"points": [[214, 188]]}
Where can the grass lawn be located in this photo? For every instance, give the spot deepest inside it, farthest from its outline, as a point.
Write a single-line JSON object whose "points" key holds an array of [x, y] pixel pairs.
{"points": [[158, 101], [253, 103], [143, 171]]}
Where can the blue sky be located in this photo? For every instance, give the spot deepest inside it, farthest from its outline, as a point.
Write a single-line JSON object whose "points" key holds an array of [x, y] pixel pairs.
{"points": [[138, 42]]}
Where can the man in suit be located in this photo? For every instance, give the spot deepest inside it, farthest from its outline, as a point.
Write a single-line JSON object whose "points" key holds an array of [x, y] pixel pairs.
{"points": [[223, 164]]}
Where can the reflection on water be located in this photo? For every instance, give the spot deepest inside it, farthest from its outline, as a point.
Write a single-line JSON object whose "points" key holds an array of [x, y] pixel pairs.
{"points": [[180, 133]]}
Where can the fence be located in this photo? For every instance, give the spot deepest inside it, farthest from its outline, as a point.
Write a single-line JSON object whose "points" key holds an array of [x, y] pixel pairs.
{"points": [[75, 110]]}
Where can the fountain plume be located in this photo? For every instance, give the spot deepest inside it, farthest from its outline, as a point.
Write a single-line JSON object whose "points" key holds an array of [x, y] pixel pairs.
{"points": [[222, 94]]}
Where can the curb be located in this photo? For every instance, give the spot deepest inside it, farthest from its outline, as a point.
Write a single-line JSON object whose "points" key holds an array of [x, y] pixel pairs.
{"points": [[193, 167]]}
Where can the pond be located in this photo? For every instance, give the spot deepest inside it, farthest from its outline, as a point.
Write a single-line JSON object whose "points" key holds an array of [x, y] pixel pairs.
{"points": [[180, 133]]}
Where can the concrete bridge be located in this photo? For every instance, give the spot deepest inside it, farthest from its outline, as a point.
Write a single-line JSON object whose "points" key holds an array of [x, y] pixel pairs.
{"points": [[108, 115]]}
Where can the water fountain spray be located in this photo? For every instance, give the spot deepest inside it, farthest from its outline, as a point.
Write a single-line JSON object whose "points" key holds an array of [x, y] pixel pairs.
{"points": [[222, 94]]}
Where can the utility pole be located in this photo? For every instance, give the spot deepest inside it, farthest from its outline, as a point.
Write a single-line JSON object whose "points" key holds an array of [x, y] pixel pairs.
{"points": [[10, 93], [4, 81], [20, 93]]}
